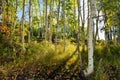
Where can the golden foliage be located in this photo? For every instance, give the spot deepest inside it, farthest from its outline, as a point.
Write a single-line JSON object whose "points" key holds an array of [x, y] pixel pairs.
{"points": [[4, 30]]}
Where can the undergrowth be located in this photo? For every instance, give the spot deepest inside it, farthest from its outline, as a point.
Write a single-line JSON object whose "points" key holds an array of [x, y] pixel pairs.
{"points": [[42, 61]]}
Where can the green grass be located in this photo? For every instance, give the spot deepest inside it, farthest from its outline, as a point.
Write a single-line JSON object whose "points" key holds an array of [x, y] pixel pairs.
{"points": [[43, 58]]}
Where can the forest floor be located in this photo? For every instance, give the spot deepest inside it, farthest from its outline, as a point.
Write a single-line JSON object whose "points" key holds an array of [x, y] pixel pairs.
{"points": [[42, 62]]}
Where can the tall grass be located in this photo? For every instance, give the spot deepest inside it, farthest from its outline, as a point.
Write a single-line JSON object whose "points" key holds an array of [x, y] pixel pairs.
{"points": [[44, 53]]}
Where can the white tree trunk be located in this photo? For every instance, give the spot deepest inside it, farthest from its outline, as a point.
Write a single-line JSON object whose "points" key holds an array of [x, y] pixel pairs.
{"points": [[46, 20], [22, 27], [30, 4], [90, 67]]}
